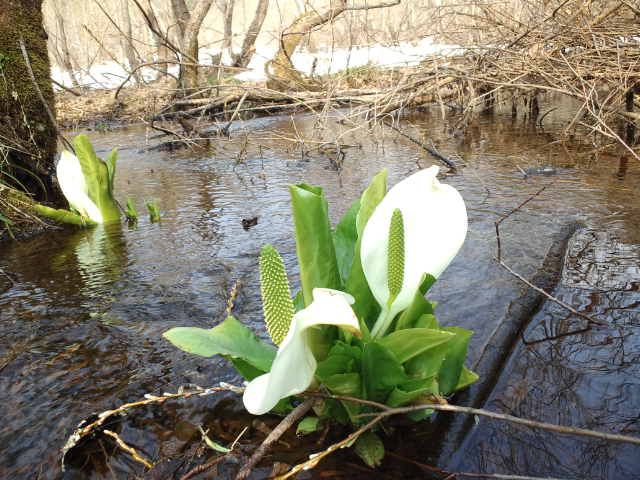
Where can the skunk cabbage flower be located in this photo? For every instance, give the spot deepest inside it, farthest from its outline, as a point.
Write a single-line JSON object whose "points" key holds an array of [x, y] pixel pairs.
{"points": [[74, 187], [432, 219], [294, 366]]}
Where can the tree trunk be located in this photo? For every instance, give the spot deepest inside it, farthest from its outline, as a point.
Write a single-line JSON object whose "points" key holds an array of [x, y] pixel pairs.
{"points": [[28, 137], [247, 50], [127, 42], [283, 75], [161, 48], [62, 46], [181, 16], [227, 40], [189, 69]]}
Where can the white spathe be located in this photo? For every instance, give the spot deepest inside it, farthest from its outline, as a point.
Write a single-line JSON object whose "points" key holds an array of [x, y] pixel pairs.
{"points": [[435, 226], [294, 366], [74, 187]]}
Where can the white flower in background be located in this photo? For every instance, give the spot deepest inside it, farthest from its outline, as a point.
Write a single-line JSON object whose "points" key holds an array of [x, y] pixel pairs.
{"points": [[435, 225], [294, 366], [74, 187]]}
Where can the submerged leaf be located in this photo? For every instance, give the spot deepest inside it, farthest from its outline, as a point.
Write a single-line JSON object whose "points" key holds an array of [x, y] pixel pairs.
{"points": [[308, 425], [370, 449], [276, 295], [154, 211]]}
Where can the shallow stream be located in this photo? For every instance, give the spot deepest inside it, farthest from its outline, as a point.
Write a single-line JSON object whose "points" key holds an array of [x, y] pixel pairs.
{"points": [[81, 321]]}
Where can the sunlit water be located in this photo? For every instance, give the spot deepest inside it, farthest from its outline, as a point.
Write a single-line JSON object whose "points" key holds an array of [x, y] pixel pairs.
{"points": [[80, 329]]}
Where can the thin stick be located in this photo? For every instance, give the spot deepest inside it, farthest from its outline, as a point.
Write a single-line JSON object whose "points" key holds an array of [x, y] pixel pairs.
{"points": [[273, 437], [314, 459], [46, 106], [129, 449]]}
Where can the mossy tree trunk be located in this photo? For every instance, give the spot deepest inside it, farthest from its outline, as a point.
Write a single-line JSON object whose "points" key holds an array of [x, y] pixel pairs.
{"points": [[28, 137]]}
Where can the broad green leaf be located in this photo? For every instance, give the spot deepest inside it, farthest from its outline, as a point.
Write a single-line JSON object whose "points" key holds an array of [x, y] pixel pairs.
{"points": [[410, 391], [427, 320], [345, 237], [230, 338], [418, 307], [370, 449], [248, 371], [366, 306], [308, 425], [427, 364], [381, 371], [314, 242], [408, 343], [298, 301], [342, 358], [467, 377], [61, 216], [344, 384], [454, 359], [350, 385], [370, 199], [96, 175]]}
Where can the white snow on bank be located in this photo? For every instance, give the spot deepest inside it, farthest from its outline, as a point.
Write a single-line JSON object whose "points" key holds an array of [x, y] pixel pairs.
{"points": [[327, 61]]}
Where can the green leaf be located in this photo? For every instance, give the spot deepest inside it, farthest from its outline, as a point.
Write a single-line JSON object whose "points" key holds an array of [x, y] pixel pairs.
{"points": [[61, 216], [345, 237], [110, 161], [298, 301], [454, 359], [427, 364], [154, 211], [308, 425], [427, 320], [5, 220], [418, 307], [366, 306], [408, 343], [230, 338], [212, 444], [276, 295], [130, 211], [381, 371], [370, 199], [314, 242], [467, 377], [248, 371], [96, 174], [410, 391], [370, 449]]}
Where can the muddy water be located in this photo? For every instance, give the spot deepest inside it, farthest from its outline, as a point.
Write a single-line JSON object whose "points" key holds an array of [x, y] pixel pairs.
{"points": [[81, 322]]}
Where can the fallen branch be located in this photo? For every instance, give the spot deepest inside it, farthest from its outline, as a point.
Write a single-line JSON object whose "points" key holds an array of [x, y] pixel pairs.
{"points": [[274, 436], [129, 449]]}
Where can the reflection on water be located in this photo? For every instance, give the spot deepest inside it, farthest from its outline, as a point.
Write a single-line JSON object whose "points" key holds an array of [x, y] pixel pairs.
{"points": [[80, 331]]}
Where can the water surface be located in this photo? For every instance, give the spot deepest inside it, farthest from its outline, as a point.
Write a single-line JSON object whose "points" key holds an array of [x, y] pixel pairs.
{"points": [[80, 329]]}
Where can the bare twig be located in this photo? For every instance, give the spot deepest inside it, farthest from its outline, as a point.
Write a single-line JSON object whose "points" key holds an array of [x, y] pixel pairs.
{"points": [[129, 449], [273, 437]]}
